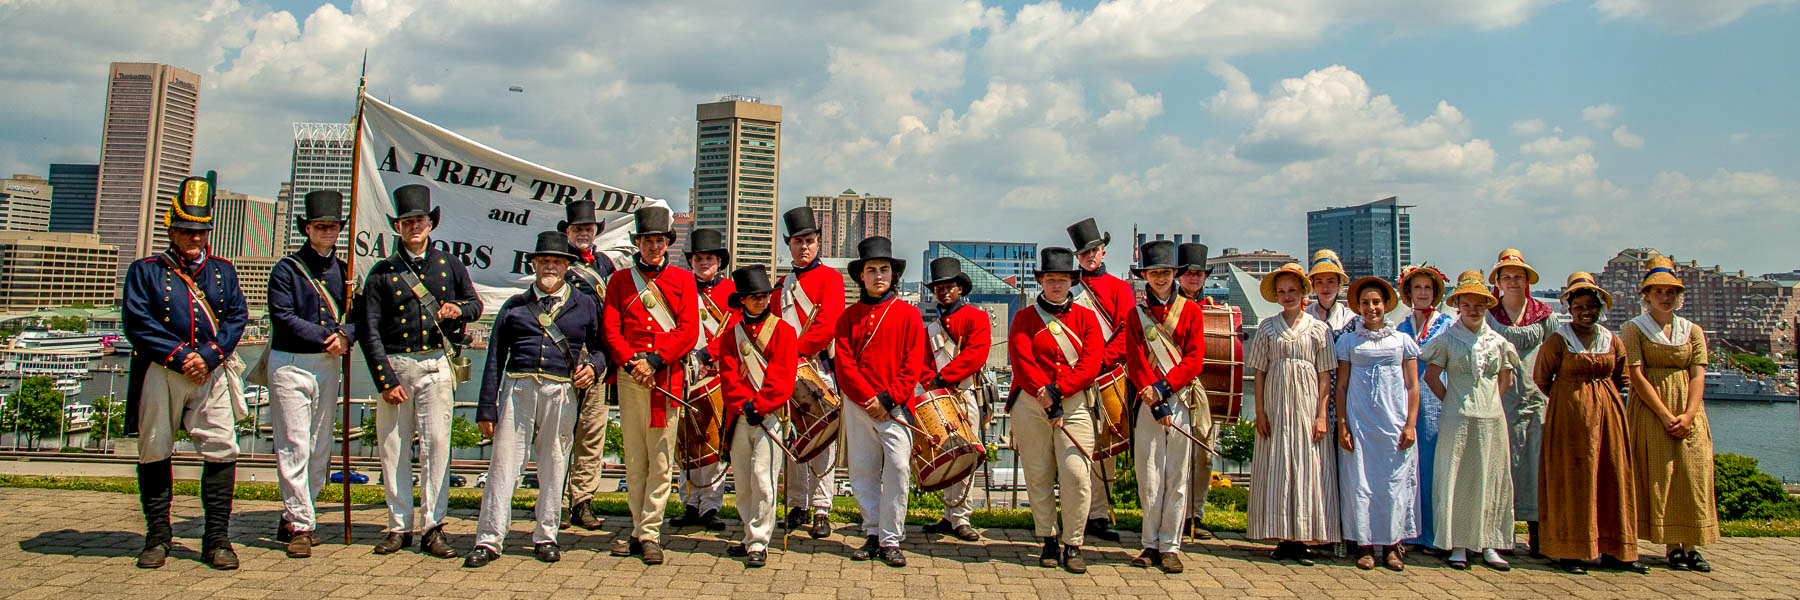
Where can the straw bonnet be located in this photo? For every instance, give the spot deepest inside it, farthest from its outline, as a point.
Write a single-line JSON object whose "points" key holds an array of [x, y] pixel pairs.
{"points": [[1388, 294], [1268, 281], [1469, 282], [1326, 261], [1511, 258], [1659, 270], [1438, 279], [1581, 280]]}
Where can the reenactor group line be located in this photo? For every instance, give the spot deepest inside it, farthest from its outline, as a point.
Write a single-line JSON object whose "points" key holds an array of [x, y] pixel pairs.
{"points": [[764, 377]]}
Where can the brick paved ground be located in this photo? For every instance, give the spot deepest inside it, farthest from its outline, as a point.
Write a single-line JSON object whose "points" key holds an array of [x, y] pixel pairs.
{"points": [[66, 544]]}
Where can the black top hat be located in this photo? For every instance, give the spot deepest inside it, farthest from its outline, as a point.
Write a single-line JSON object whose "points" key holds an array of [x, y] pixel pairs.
{"points": [[191, 208], [322, 206], [1193, 258], [707, 240], [1085, 235], [872, 248], [553, 243], [580, 212], [799, 221], [750, 280], [946, 269], [654, 220], [1155, 254], [1056, 259], [413, 200]]}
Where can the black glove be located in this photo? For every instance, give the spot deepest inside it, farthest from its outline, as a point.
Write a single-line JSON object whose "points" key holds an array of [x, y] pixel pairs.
{"points": [[887, 401], [937, 381], [750, 415], [1055, 411], [700, 357]]}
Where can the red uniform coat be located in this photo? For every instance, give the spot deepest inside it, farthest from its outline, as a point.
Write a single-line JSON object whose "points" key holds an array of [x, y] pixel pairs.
{"points": [[880, 349], [826, 289], [629, 329], [1190, 345], [1038, 361], [778, 378], [717, 296], [1115, 301], [969, 330]]}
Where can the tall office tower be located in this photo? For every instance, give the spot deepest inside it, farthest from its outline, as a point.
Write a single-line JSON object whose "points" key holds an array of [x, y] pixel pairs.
{"points": [[241, 225], [737, 174], [146, 149], [72, 200], [847, 218], [1372, 239], [25, 203], [321, 161], [278, 236]]}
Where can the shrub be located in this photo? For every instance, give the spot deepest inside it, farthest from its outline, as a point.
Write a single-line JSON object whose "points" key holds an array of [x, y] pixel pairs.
{"points": [[1743, 492], [1229, 498]]}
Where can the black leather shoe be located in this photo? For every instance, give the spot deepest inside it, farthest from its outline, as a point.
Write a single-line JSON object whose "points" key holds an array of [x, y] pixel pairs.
{"points": [[1052, 555], [1610, 563], [821, 527], [942, 526], [1697, 562], [1171, 563], [627, 547], [1099, 528], [795, 518], [737, 550], [1678, 560], [867, 551], [690, 515], [284, 531], [582, 515], [966, 533], [153, 556], [1071, 560], [1303, 556], [892, 556], [480, 557], [757, 559], [711, 521], [433, 543], [653, 554], [1200, 531], [547, 552], [1150, 557], [1572, 566], [220, 557], [393, 542]]}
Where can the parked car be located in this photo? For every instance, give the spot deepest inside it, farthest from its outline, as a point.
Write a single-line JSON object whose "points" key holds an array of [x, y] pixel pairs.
{"points": [[458, 480], [481, 480], [356, 477], [529, 481], [622, 487]]}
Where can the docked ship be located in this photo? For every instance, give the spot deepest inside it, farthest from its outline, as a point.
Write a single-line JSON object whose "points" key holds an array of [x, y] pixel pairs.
{"points": [[1736, 385]]}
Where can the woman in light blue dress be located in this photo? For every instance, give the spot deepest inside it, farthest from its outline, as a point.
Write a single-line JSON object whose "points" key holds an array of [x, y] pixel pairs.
{"points": [[1377, 417]]}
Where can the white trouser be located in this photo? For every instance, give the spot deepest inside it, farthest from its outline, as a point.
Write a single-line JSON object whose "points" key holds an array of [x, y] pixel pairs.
{"points": [[957, 506], [880, 472], [1162, 456], [169, 402], [530, 409], [754, 457], [695, 490], [1053, 463], [809, 483], [303, 393], [429, 398], [649, 459], [1200, 471]]}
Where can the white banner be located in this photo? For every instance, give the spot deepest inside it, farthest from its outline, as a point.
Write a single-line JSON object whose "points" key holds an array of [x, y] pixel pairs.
{"points": [[492, 204]]}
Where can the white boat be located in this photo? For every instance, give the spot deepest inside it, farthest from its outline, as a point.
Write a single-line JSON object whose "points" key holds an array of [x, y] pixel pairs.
{"points": [[68, 387], [93, 345], [21, 362]]}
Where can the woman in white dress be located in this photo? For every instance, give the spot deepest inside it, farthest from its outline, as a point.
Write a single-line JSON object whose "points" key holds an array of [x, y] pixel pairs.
{"points": [[1472, 500], [1377, 420], [1292, 482]]}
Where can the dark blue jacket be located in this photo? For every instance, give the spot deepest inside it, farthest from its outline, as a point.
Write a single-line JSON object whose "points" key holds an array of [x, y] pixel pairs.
{"points": [[165, 325], [390, 318], [519, 345], [302, 321]]}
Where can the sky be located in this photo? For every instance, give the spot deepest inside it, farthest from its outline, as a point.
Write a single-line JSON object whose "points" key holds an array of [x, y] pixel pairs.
{"points": [[1567, 129]]}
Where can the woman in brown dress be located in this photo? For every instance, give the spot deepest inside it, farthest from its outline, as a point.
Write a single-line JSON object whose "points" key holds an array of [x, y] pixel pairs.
{"points": [[1586, 500], [1671, 442]]}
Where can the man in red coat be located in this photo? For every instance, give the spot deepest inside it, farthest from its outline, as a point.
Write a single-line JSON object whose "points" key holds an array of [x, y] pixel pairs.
{"points": [[1055, 349], [756, 357], [958, 342], [880, 361], [651, 321], [702, 489], [810, 299], [1165, 352], [1112, 300]]}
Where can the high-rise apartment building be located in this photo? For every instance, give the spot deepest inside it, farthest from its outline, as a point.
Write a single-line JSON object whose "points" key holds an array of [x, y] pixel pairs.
{"points": [[683, 222], [848, 218], [72, 200], [1742, 311], [1371, 239], [49, 270], [241, 225], [737, 175], [321, 161], [25, 203], [146, 150], [278, 237]]}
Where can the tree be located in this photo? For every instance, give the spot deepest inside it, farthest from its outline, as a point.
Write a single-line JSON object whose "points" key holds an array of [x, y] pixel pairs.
{"points": [[75, 324], [1237, 442], [1754, 364], [109, 418], [40, 407], [615, 439], [464, 434]]}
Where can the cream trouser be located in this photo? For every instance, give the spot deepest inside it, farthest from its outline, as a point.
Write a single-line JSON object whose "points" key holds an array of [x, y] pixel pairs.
{"points": [[169, 402], [1050, 458], [879, 472], [754, 460], [589, 444], [536, 417], [1161, 456], [429, 398], [303, 393], [649, 458], [696, 492]]}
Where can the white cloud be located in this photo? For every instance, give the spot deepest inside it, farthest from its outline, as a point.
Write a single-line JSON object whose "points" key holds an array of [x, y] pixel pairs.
{"points": [[1741, 137], [1626, 139], [1237, 100], [1599, 115], [1528, 128], [1681, 16], [1556, 146], [1137, 110]]}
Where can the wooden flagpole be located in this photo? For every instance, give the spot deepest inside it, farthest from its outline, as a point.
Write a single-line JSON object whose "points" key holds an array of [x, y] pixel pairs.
{"points": [[362, 81]]}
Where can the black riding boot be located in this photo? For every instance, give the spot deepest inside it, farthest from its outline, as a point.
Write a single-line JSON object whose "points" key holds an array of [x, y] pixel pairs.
{"points": [[156, 488], [217, 481]]}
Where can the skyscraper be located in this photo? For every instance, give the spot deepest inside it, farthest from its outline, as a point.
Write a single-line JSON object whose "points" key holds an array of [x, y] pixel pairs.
{"points": [[1011, 263], [321, 161], [1372, 239], [241, 225], [146, 149], [847, 218], [25, 203], [737, 175], [72, 200], [278, 237]]}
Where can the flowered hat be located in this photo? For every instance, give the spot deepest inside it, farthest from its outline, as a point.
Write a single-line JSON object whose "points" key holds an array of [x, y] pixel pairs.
{"points": [[1659, 270], [1326, 261], [1469, 282], [1512, 258], [1438, 279], [1268, 281], [1581, 280]]}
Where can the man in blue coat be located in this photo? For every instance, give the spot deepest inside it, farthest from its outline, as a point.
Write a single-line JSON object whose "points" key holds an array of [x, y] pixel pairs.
{"points": [[183, 313]]}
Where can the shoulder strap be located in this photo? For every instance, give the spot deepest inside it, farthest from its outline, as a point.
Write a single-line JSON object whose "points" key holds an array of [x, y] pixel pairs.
{"points": [[195, 294], [1159, 336], [653, 300], [590, 277], [548, 323], [428, 302], [318, 288], [751, 354], [712, 318], [1070, 348], [799, 308], [1085, 296]]}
